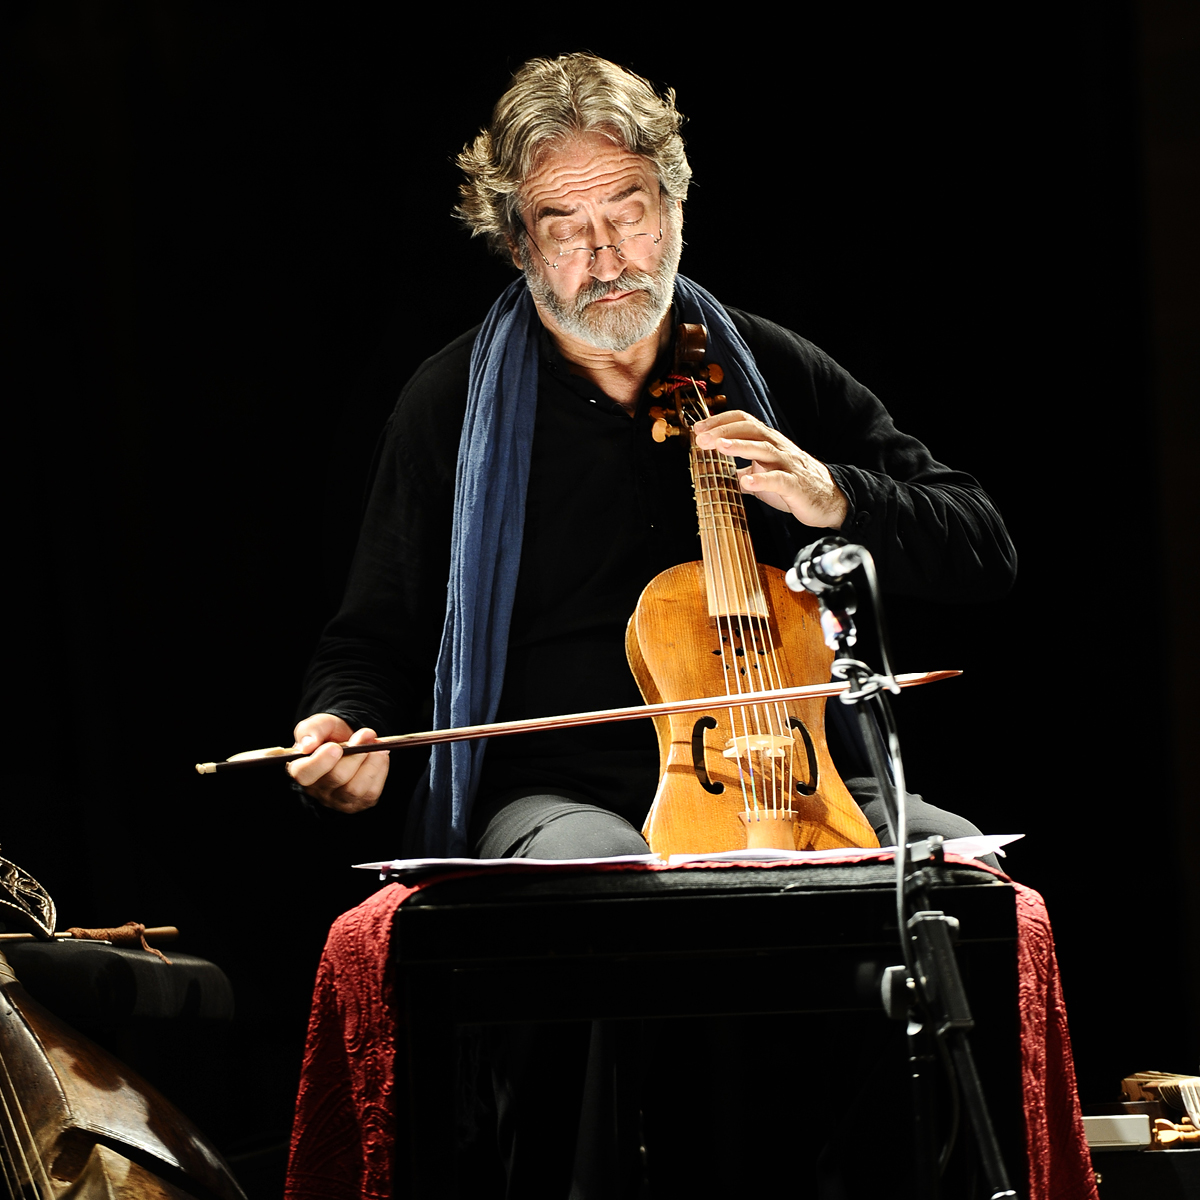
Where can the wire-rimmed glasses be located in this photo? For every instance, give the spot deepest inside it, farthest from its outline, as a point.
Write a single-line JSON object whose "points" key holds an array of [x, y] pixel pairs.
{"points": [[633, 248]]}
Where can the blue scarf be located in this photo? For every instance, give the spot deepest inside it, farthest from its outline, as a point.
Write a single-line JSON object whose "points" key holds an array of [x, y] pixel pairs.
{"points": [[489, 519]]}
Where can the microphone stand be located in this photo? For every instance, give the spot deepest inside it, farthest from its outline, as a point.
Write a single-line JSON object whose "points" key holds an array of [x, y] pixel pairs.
{"points": [[927, 990]]}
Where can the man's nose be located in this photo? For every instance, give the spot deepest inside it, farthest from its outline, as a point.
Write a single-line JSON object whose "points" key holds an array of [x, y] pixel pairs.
{"points": [[606, 264]]}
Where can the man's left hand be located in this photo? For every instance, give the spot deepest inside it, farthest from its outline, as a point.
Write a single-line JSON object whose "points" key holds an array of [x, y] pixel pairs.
{"points": [[781, 474]]}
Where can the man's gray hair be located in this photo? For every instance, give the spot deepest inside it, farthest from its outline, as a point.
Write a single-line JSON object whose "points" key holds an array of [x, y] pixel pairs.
{"points": [[550, 101]]}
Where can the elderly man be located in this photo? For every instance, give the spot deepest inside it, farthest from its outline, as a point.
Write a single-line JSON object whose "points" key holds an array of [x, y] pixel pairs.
{"points": [[581, 179], [518, 465]]}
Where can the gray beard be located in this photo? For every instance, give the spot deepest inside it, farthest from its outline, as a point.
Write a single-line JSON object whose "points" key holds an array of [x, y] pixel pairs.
{"points": [[613, 327]]}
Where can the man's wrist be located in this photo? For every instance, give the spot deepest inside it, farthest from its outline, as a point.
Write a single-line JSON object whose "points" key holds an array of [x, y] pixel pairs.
{"points": [[840, 509]]}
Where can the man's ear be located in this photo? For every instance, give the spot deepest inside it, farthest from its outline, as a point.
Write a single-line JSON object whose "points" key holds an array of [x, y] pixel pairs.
{"points": [[516, 254]]}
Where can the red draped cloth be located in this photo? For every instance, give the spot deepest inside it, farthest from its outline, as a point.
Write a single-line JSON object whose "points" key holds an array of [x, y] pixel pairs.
{"points": [[343, 1132], [344, 1127]]}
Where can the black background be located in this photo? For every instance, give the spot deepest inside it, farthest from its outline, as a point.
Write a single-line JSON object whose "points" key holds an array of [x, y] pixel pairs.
{"points": [[232, 243]]}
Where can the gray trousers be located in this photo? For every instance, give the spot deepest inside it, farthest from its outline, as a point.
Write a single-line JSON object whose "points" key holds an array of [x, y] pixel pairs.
{"points": [[564, 825]]}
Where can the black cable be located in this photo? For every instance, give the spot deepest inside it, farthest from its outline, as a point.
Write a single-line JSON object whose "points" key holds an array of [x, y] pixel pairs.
{"points": [[955, 1102], [882, 740], [868, 567]]}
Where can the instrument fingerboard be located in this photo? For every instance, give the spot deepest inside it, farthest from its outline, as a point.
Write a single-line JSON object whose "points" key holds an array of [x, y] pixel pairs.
{"points": [[730, 572]]}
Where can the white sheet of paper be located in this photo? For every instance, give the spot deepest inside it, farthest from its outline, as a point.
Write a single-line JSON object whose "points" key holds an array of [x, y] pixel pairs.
{"points": [[968, 847]]}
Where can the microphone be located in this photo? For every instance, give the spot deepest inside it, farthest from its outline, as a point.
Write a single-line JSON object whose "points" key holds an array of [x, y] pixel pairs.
{"points": [[824, 565]]}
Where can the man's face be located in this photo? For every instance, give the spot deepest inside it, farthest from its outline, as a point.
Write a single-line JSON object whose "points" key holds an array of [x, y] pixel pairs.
{"points": [[592, 193]]}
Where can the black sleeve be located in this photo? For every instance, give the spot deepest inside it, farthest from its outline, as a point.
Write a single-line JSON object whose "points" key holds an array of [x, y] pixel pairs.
{"points": [[933, 532], [375, 661]]}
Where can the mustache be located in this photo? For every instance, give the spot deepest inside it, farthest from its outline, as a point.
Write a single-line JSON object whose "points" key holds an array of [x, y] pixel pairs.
{"points": [[628, 281]]}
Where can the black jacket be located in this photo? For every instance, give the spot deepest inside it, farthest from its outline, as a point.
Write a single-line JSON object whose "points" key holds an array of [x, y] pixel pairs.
{"points": [[607, 509]]}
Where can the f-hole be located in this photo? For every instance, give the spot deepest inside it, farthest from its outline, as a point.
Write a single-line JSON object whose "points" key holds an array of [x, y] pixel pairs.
{"points": [[807, 789], [698, 765]]}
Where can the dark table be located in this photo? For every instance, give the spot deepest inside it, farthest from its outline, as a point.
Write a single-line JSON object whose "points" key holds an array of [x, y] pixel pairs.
{"points": [[561, 944]]}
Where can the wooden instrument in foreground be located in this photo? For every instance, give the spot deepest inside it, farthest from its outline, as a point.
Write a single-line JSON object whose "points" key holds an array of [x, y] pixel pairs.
{"points": [[76, 1124], [741, 775]]}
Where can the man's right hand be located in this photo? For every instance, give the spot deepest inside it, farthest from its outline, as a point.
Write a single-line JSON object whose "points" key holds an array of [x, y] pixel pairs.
{"points": [[348, 784]]}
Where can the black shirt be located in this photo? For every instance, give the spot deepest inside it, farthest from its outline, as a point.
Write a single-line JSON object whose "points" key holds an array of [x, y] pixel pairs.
{"points": [[607, 509]]}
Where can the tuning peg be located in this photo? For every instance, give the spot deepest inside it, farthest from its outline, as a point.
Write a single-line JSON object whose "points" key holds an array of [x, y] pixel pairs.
{"points": [[657, 388], [661, 430], [715, 373]]}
